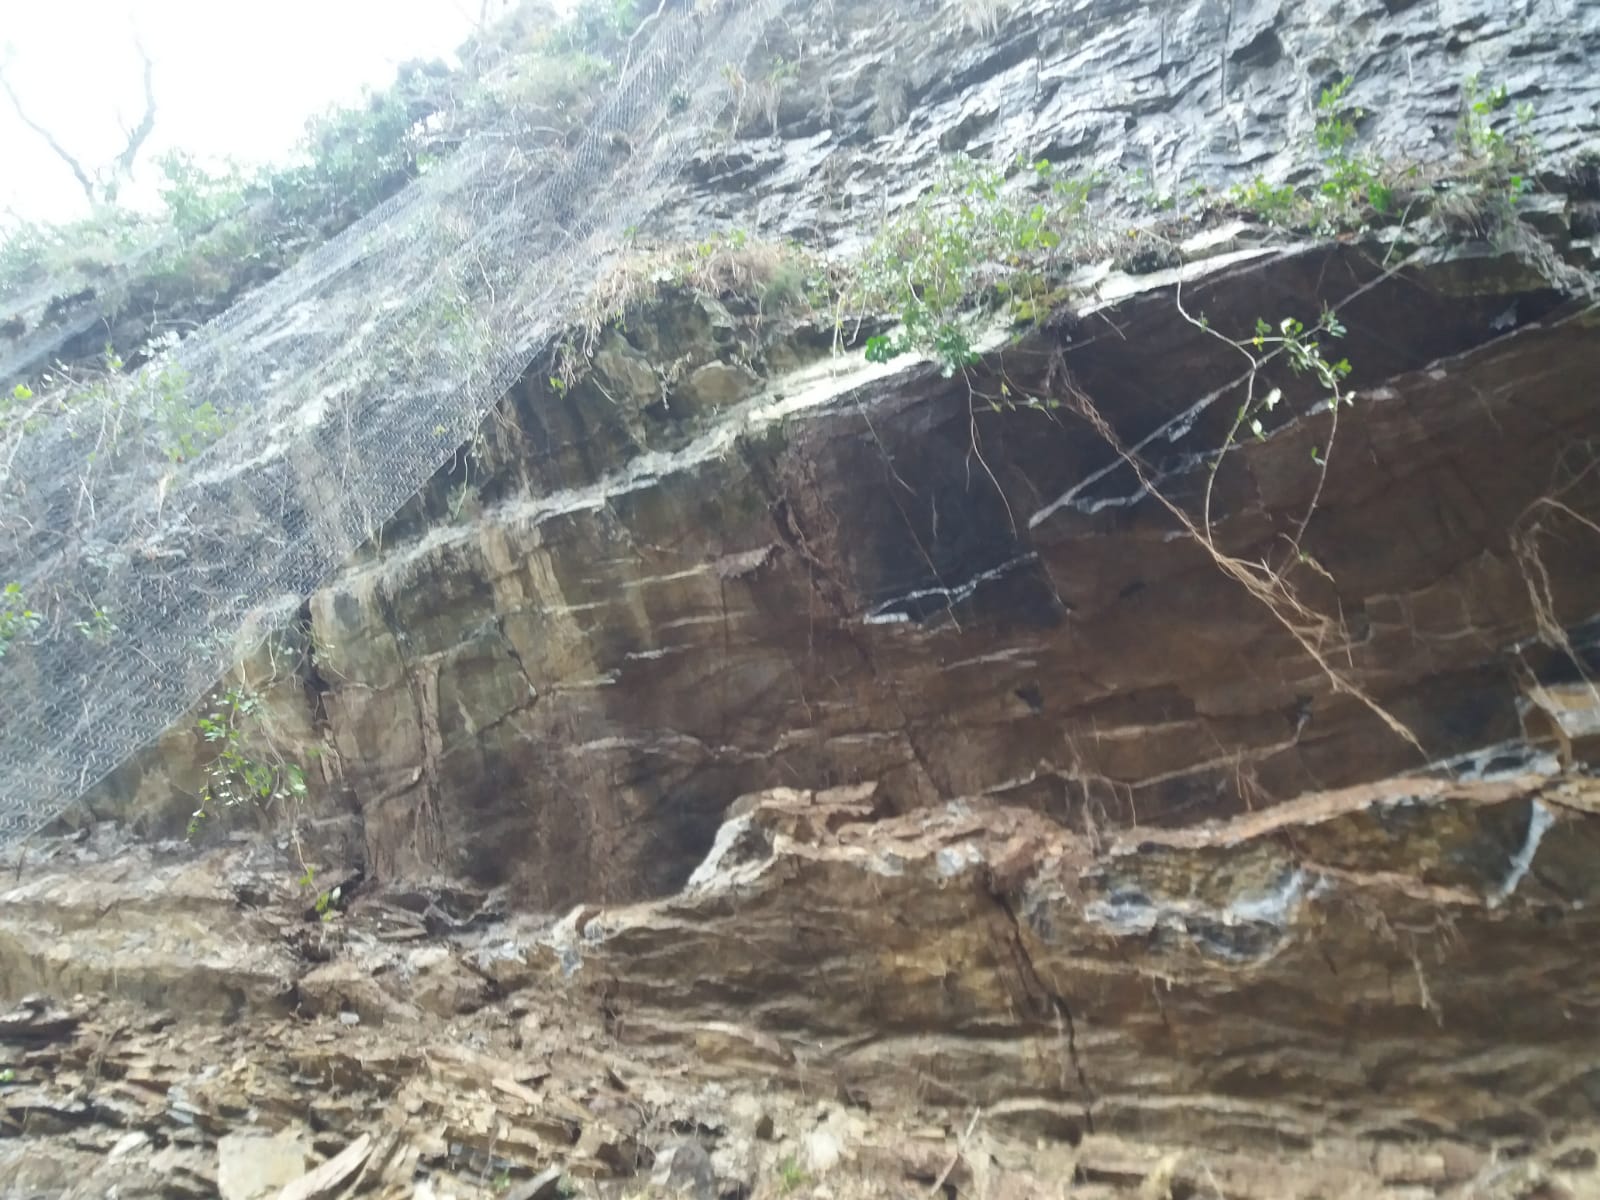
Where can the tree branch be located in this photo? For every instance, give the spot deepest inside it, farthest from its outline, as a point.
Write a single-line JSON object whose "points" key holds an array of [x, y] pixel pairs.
{"points": [[136, 139], [84, 181], [104, 190]]}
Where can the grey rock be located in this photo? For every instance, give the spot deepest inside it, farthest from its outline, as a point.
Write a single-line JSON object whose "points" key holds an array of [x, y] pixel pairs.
{"points": [[685, 1169]]}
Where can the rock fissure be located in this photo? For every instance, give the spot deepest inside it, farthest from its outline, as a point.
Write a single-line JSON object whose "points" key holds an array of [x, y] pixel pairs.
{"points": [[1059, 1010]]}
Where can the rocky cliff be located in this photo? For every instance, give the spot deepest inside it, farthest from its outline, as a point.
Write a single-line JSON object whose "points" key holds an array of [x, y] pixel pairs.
{"points": [[762, 762]]}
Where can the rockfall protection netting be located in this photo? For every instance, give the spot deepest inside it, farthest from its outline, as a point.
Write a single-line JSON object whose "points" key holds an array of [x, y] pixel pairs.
{"points": [[346, 383]]}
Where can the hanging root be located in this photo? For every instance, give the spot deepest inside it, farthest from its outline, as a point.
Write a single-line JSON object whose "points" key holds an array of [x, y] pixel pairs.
{"points": [[1531, 527], [1311, 630]]}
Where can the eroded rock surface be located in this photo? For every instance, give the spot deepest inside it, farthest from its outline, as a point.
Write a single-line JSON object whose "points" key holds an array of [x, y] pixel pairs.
{"points": [[865, 574], [1388, 991]]}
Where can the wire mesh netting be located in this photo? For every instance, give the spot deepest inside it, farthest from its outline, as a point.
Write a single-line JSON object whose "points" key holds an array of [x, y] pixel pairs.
{"points": [[343, 385]]}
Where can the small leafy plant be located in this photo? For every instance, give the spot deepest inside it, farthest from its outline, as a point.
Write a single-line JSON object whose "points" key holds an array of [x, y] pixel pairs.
{"points": [[1475, 132], [98, 626], [1353, 179], [1504, 157], [17, 620], [1277, 204], [1336, 122], [790, 1174], [235, 776], [1353, 184], [1301, 346], [1303, 350], [327, 901], [185, 427]]}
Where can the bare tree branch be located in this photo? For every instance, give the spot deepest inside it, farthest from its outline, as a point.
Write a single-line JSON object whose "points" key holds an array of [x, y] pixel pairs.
{"points": [[61, 151], [136, 139], [101, 187]]}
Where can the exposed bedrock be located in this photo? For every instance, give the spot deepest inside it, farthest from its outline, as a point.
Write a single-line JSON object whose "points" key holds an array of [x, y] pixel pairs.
{"points": [[1388, 991], [1343, 963], [729, 561], [846, 574]]}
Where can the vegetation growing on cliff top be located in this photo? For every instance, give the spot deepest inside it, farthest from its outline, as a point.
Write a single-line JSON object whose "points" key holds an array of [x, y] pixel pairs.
{"points": [[968, 237], [16, 618], [219, 223], [1356, 184], [980, 240], [987, 240]]}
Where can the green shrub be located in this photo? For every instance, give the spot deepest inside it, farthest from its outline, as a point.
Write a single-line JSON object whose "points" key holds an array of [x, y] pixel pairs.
{"points": [[1277, 204], [1352, 180], [598, 23], [554, 82], [1503, 158], [196, 198], [971, 243], [33, 253], [235, 776]]}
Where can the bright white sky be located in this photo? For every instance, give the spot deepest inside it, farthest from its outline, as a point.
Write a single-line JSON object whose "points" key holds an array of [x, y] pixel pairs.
{"points": [[232, 78]]}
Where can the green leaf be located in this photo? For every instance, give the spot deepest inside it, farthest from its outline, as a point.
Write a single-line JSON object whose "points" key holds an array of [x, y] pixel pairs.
{"points": [[880, 349]]}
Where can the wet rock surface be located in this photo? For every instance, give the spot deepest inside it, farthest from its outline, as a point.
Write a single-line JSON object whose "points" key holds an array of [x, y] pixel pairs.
{"points": [[1160, 98], [864, 573]]}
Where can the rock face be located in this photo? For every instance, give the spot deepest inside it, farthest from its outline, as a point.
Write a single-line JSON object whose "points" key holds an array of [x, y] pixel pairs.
{"points": [[1240, 984], [864, 575], [1384, 992], [729, 561], [749, 711]]}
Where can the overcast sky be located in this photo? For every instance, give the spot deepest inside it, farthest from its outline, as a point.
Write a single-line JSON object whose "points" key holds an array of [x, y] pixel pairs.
{"points": [[231, 78]]}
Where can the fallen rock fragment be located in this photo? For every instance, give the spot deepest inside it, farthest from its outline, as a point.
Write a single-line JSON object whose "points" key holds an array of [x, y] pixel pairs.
{"points": [[253, 1164], [327, 1179]]}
